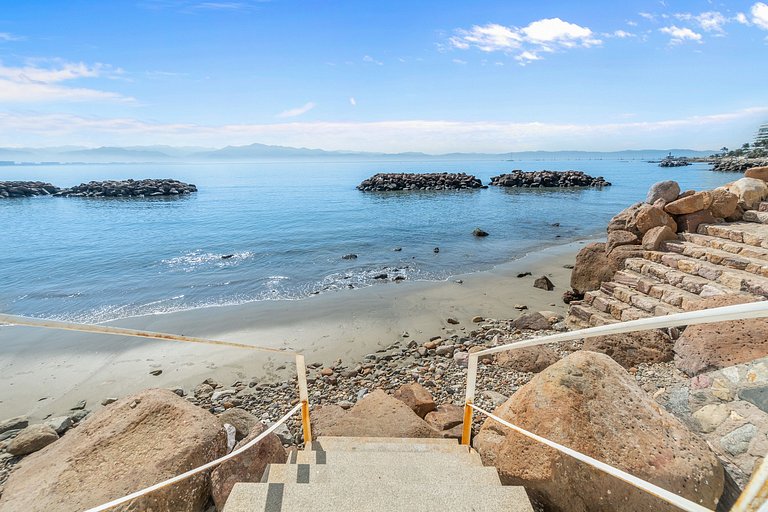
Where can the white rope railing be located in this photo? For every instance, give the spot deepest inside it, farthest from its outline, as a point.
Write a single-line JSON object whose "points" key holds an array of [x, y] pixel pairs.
{"points": [[193, 472], [639, 483]]}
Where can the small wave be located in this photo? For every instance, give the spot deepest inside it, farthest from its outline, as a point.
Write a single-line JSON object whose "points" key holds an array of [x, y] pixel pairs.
{"points": [[198, 259]]}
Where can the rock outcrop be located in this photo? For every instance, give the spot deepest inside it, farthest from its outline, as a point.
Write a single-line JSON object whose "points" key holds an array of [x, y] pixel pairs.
{"points": [[528, 359], [544, 179], [417, 397], [134, 443], [15, 189], [709, 347], [32, 439], [593, 266], [738, 164], [389, 182], [633, 348], [591, 404], [129, 188]]}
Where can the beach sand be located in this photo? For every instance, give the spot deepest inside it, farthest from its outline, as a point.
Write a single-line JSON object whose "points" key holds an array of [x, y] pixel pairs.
{"points": [[47, 372]]}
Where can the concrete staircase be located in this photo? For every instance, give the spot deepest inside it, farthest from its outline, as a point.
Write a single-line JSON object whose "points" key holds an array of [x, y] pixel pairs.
{"points": [[729, 258], [346, 474]]}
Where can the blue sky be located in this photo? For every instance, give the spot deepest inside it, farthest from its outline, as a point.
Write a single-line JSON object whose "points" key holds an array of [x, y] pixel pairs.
{"points": [[432, 76]]}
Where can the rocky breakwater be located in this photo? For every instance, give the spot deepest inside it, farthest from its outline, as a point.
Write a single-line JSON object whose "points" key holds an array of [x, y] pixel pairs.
{"points": [[129, 188], [13, 189], [387, 182], [738, 164], [555, 179]]}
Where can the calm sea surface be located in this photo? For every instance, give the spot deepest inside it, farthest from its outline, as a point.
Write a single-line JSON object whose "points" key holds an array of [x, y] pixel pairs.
{"points": [[287, 225]]}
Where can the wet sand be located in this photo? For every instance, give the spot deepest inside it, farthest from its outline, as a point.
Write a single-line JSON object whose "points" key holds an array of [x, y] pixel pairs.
{"points": [[46, 372]]}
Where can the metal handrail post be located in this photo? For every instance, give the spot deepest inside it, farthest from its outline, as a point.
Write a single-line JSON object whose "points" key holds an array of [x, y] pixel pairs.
{"points": [[301, 373], [466, 430], [755, 495]]}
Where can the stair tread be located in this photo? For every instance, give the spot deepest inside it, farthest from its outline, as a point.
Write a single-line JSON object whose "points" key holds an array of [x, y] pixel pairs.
{"points": [[362, 496], [683, 280], [349, 444], [734, 279], [357, 457], [592, 317], [727, 259], [643, 301], [657, 286], [727, 245], [435, 473], [749, 233], [620, 310]]}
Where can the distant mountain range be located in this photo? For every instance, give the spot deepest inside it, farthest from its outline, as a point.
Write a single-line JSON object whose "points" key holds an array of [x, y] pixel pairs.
{"points": [[260, 152]]}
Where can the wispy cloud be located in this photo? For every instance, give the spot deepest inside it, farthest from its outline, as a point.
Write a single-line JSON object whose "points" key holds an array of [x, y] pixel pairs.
{"points": [[369, 59], [760, 15], [191, 6], [527, 43], [7, 36], [295, 112], [680, 35], [33, 83], [702, 132], [353, 101]]}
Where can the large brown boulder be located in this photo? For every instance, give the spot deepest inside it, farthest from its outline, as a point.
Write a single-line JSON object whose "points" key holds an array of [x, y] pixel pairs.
{"points": [[134, 443], [324, 417], [445, 417], [531, 321], [750, 191], [619, 238], [528, 359], [690, 222], [242, 420], [649, 217], [760, 173], [724, 203], [667, 191], [32, 439], [249, 466], [707, 347], [625, 220], [655, 236], [633, 348], [689, 204], [592, 268], [380, 415], [589, 403], [417, 397]]}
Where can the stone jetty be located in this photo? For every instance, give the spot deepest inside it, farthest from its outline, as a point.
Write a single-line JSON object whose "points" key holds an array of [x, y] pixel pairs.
{"points": [[541, 179], [738, 164], [129, 188], [12, 189], [386, 182]]}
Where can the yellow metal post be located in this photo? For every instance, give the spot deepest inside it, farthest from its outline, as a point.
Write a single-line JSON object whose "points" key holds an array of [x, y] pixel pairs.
{"points": [[301, 373], [466, 431], [755, 495]]}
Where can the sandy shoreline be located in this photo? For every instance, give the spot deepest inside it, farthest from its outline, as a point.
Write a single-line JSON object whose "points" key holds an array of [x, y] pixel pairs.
{"points": [[47, 372]]}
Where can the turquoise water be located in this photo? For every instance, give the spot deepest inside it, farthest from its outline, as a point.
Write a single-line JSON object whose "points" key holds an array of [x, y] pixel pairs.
{"points": [[287, 225]]}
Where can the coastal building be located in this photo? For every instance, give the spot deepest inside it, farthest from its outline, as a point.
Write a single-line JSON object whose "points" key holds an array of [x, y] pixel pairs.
{"points": [[762, 135]]}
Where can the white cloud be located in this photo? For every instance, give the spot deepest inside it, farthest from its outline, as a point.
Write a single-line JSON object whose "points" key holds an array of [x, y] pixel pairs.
{"points": [[632, 23], [7, 36], [647, 15], [760, 15], [700, 132], [526, 57], [370, 59], [621, 34], [741, 18], [545, 35], [711, 21], [459, 61], [32, 83], [294, 112], [679, 35], [353, 101]]}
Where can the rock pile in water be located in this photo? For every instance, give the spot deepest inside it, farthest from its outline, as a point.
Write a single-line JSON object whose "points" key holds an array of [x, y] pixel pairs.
{"points": [[538, 179], [384, 182], [737, 164], [129, 188], [10, 189]]}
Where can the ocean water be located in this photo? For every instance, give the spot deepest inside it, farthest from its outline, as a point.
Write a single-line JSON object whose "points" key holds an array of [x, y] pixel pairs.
{"points": [[287, 224]]}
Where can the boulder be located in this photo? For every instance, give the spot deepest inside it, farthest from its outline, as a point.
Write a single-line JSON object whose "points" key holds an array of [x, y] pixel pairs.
{"points": [[689, 204], [750, 191], [690, 222], [528, 359], [544, 283], [633, 348], [759, 173], [625, 220], [134, 443], [248, 466], [653, 238], [649, 217], [242, 420], [592, 268], [324, 417], [380, 415], [724, 203], [589, 403], [618, 238], [479, 232], [707, 347], [665, 190], [417, 397], [32, 439], [445, 417], [531, 321], [16, 423]]}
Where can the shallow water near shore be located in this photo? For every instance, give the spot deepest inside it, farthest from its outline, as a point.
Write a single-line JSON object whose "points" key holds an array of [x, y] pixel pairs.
{"points": [[287, 226]]}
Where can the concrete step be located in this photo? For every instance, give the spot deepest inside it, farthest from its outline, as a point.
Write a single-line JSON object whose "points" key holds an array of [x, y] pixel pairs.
{"points": [[755, 266], [583, 315], [735, 280], [385, 444], [756, 216], [750, 251], [362, 496], [423, 473], [651, 286], [363, 457], [641, 301], [749, 233]]}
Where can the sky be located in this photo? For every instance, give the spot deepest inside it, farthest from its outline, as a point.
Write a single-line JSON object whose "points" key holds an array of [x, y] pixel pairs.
{"points": [[432, 76]]}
